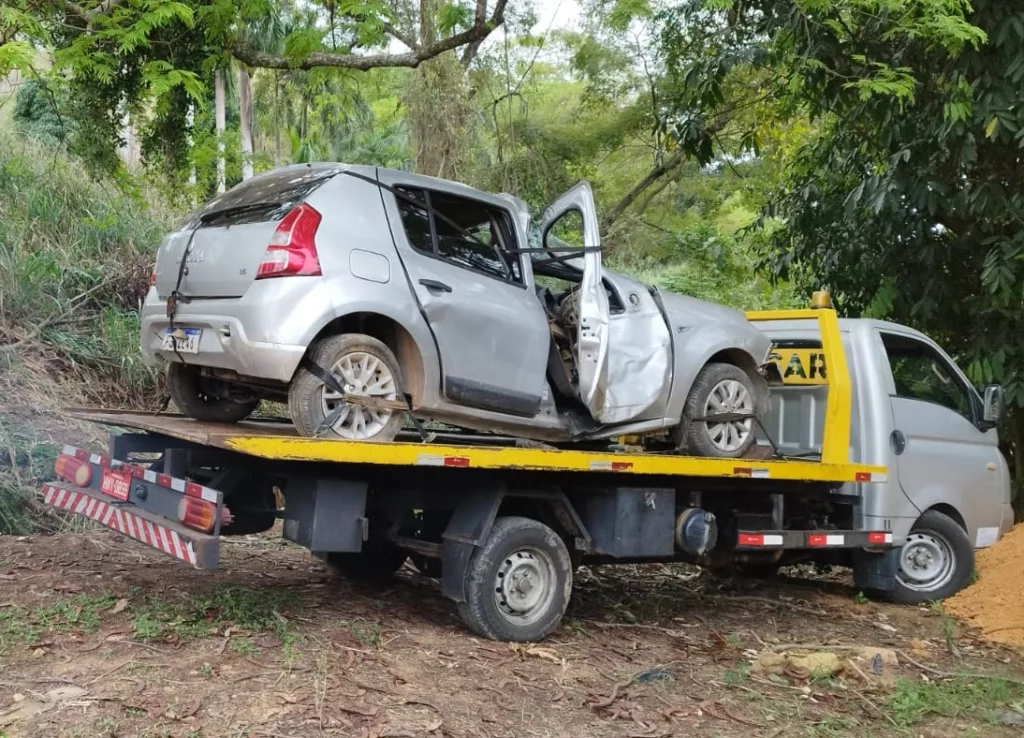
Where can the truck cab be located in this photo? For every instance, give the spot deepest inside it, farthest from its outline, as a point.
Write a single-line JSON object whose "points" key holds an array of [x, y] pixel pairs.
{"points": [[915, 412]]}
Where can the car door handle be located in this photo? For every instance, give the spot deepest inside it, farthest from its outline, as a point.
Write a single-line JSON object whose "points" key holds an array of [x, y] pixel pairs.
{"points": [[434, 285], [898, 441]]}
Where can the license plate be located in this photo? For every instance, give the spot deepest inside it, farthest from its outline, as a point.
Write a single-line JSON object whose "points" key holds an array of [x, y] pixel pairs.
{"points": [[182, 340], [116, 484]]}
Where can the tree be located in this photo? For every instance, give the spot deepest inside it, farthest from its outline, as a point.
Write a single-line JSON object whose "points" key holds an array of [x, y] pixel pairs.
{"points": [[150, 56], [907, 203]]}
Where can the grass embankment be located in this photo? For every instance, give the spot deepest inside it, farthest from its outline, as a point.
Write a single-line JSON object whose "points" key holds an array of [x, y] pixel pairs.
{"points": [[75, 257]]}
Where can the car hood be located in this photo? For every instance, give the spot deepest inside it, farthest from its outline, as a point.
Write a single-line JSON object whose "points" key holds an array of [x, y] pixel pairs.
{"points": [[686, 311]]}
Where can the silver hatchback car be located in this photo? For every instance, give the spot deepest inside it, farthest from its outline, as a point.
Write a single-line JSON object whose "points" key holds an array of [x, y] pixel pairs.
{"points": [[352, 292]]}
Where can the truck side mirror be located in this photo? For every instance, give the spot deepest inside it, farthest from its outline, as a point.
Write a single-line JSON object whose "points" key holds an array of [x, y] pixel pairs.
{"points": [[992, 406]]}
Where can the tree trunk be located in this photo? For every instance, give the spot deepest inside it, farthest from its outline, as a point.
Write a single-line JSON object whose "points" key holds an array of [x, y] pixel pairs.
{"points": [[277, 118], [438, 114], [219, 113], [245, 114]]}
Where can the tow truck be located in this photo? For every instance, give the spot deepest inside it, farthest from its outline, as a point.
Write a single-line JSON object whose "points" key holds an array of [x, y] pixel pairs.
{"points": [[504, 524]]}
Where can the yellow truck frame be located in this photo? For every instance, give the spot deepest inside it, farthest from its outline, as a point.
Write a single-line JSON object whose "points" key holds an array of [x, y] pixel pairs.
{"points": [[178, 485]]}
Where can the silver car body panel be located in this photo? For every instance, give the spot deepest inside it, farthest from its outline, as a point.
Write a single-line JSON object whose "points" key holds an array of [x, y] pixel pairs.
{"points": [[947, 463], [493, 335]]}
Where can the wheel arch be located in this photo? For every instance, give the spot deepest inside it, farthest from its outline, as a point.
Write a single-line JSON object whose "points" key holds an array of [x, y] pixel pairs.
{"points": [[397, 337], [950, 512]]}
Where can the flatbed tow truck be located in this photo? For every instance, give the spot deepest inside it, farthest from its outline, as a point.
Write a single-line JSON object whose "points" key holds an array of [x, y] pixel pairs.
{"points": [[501, 525]]}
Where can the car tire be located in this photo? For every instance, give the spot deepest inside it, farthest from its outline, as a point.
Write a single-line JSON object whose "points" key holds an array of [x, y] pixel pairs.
{"points": [[713, 386], [935, 562], [309, 401], [375, 564], [529, 553], [185, 387]]}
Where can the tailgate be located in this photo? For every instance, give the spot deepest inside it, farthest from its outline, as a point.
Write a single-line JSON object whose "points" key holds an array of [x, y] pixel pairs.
{"points": [[175, 516]]}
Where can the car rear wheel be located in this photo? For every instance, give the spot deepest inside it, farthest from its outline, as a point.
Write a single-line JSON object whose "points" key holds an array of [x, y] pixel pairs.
{"points": [[936, 561], [363, 365], [718, 390], [194, 396]]}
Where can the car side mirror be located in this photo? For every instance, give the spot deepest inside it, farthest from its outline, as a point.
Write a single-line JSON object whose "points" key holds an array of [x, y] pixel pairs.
{"points": [[992, 405]]}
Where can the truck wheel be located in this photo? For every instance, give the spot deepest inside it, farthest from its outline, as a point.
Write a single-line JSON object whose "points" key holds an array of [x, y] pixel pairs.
{"points": [[720, 388], [253, 507], [375, 564], [187, 390], [935, 562], [363, 365], [518, 583]]}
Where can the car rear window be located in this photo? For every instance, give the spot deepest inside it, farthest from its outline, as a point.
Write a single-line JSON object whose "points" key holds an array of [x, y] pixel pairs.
{"points": [[268, 197]]}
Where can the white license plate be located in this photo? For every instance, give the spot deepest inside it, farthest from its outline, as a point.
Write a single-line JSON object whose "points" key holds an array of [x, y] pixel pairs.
{"points": [[182, 340]]}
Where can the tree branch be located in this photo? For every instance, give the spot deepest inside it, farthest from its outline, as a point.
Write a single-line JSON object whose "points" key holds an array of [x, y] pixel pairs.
{"points": [[87, 15], [471, 37], [401, 35], [497, 18], [653, 176]]}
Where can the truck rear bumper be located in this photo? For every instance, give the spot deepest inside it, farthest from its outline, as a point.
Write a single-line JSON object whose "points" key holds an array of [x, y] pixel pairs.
{"points": [[198, 549]]}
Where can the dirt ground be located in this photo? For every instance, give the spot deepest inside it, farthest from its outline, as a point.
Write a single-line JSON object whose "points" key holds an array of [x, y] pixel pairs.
{"points": [[103, 637], [995, 603]]}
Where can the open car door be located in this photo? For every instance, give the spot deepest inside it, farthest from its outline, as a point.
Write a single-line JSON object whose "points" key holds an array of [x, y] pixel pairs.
{"points": [[575, 211]]}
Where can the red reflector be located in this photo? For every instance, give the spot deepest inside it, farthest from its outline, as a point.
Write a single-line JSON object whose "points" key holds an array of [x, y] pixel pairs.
{"points": [[193, 490], [751, 539], [137, 471], [622, 465], [164, 480], [863, 476], [461, 461], [876, 537], [817, 539], [292, 248], [73, 470]]}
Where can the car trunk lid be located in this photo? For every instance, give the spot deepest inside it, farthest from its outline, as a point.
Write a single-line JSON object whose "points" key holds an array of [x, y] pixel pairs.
{"points": [[229, 237]]}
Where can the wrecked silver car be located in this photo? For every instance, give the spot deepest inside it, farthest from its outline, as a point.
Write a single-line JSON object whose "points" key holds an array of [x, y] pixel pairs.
{"points": [[355, 293]]}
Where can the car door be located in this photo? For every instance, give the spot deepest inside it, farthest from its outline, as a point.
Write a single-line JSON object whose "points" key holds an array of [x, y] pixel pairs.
{"points": [[944, 454], [491, 330], [575, 211]]}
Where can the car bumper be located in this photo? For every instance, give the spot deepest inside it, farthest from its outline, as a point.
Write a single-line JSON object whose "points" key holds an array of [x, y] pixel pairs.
{"points": [[263, 334]]}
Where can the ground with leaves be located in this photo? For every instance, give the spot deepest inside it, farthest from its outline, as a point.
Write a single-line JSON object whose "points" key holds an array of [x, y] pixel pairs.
{"points": [[100, 637]]}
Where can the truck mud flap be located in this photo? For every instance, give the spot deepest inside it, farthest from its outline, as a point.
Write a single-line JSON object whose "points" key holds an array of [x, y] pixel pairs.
{"points": [[174, 516]]}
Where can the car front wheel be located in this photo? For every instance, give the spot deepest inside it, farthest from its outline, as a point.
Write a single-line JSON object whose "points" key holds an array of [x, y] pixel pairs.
{"points": [[723, 390]]}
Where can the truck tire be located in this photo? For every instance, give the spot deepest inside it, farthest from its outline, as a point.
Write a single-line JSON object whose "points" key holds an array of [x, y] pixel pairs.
{"points": [[375, 564], [936, 561], [185, 387], [518, 582], [253, 507], [361, 363], [720, 388]]}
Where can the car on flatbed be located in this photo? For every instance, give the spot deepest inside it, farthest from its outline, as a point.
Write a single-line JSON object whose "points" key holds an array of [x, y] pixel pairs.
{"points": [[354, 293]]}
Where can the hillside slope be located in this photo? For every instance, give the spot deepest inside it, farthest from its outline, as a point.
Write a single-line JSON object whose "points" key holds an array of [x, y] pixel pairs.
{"points": [[75, 257]]}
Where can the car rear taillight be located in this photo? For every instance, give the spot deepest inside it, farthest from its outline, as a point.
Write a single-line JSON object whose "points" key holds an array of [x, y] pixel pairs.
{"points": [[292, 248], [73, 470], [152, 278]]}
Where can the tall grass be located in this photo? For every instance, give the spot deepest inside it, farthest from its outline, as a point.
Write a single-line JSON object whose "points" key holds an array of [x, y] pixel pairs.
{"points": [[75, 257]]}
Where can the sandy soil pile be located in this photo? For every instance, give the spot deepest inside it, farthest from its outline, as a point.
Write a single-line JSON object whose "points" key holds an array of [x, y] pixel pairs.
{"points": [[995, 603]]}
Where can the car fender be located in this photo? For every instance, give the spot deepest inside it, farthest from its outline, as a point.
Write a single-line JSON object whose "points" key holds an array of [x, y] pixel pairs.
{"points": [[416, 328], [694, 348]]}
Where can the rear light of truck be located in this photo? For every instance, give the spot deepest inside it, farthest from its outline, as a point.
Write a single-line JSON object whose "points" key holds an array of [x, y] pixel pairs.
{"points": [[73, 470], [292, 248], [200, 515]]}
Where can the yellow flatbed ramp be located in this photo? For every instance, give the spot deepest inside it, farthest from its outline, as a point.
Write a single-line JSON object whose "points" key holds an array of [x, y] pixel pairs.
{"points": [[278, 441]]}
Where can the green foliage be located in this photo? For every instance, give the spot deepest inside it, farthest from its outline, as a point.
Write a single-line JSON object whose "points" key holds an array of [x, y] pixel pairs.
{"points": [[913, 701], [37, 112]]}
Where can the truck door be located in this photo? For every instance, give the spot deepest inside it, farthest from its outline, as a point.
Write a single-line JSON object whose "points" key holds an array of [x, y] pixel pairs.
{"points": [[944, 453], [576, 206]]}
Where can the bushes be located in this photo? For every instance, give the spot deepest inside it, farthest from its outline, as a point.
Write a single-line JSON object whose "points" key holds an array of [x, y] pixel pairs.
{"points": [[75, 257]]}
